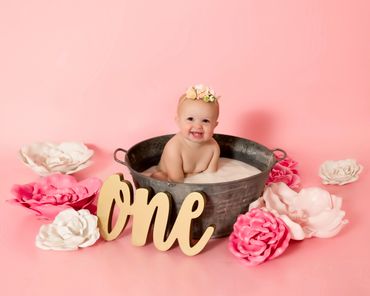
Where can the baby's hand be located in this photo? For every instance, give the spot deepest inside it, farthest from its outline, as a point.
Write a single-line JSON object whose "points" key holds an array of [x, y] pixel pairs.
{"points": [[190, 174]]}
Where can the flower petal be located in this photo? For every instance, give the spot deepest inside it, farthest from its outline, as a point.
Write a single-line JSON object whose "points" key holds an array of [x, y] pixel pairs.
{"points": [[278, 196], [327, 224], [313, 200], [296, 230]]}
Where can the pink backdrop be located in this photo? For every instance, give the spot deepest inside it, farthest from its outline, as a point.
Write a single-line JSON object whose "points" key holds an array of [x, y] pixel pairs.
{"points": [[292, 74]]}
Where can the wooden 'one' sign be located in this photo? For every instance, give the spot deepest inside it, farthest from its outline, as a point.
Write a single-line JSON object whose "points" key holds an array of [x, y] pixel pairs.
{"points": [[117, 192]]}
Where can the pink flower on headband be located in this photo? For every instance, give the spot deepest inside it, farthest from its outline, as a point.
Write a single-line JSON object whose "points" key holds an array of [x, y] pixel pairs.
{"points": [[285, 171], [258, 236], [55, 193]]}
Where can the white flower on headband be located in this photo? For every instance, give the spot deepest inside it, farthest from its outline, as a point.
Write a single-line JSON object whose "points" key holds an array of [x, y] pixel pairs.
{"points": [[200, 92]]}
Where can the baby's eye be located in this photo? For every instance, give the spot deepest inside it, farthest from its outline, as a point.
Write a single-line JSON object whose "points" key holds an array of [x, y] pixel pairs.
{"points": [[189, 119], [205, 120]]}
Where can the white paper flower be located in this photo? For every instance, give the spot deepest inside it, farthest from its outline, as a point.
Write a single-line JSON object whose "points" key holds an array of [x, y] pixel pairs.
{"points": [[340, 172], [312, 212], [48, 158], [70, 230]]}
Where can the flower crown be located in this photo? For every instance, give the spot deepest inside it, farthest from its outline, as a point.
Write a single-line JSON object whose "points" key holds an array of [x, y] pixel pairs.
{"points": [[201, 92]]}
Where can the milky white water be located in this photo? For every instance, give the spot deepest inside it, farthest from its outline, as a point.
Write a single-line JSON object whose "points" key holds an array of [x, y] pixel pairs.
{"points": [[228, 170]]}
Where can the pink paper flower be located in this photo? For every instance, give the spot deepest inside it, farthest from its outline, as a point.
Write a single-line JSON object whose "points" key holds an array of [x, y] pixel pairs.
{"points": [[55, 193], [285, 171], [258, 236], [310, 212]]}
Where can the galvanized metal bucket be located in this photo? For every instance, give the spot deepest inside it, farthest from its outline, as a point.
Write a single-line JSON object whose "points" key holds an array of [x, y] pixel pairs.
{"points": [[225, 200]]}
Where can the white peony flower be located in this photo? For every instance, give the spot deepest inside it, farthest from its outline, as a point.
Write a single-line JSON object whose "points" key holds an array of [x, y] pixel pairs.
{"points": [[70, 230], [48, 158], [340, 172], [312, 212]]}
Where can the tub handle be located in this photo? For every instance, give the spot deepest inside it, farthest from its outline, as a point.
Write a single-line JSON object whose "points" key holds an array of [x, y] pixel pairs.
{"points": [[279, 158], [116, 158]]}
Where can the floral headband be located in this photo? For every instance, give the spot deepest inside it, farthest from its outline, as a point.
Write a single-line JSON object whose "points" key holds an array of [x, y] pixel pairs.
{"points": [[201, 92]]}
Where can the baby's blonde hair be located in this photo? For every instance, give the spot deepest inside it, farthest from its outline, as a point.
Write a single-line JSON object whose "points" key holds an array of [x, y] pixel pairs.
{"points": [[183, 98]]}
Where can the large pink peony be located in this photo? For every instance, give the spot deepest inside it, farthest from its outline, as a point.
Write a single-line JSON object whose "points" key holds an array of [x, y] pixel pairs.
{"points": [[285, 171], [310, 212], [258, 236], [55, 193]]}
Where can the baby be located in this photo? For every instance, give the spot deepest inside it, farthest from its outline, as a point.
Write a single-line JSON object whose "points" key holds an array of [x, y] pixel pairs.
{"points": [[192, 150]]}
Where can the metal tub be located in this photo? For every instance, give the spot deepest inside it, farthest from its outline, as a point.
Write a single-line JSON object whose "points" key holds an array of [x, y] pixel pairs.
{"points": [[225, 200]]}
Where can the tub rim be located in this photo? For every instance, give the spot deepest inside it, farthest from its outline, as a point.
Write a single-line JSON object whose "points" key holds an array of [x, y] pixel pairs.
{"points": [[126, 162]]}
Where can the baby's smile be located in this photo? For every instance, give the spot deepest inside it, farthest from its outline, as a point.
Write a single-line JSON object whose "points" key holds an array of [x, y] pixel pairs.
{"points": [[197, 134]]}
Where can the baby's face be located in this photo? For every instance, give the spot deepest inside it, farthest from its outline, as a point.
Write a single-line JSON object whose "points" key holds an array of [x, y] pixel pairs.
{"points": [[197, 120]]}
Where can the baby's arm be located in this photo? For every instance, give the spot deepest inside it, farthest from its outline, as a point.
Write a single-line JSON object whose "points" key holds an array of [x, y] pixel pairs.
{"points": [[213, 164], [172, 162]]}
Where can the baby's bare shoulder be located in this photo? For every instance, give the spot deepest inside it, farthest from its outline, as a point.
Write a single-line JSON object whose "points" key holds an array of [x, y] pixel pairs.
{"points": [[214, 144], [172, 147], [173, 142]]}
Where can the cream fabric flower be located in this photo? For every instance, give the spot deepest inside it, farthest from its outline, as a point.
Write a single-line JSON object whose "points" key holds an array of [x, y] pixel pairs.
{"points": [[190, 93], [200, 92], [70, 230], [46, 158], [340, 172]]}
